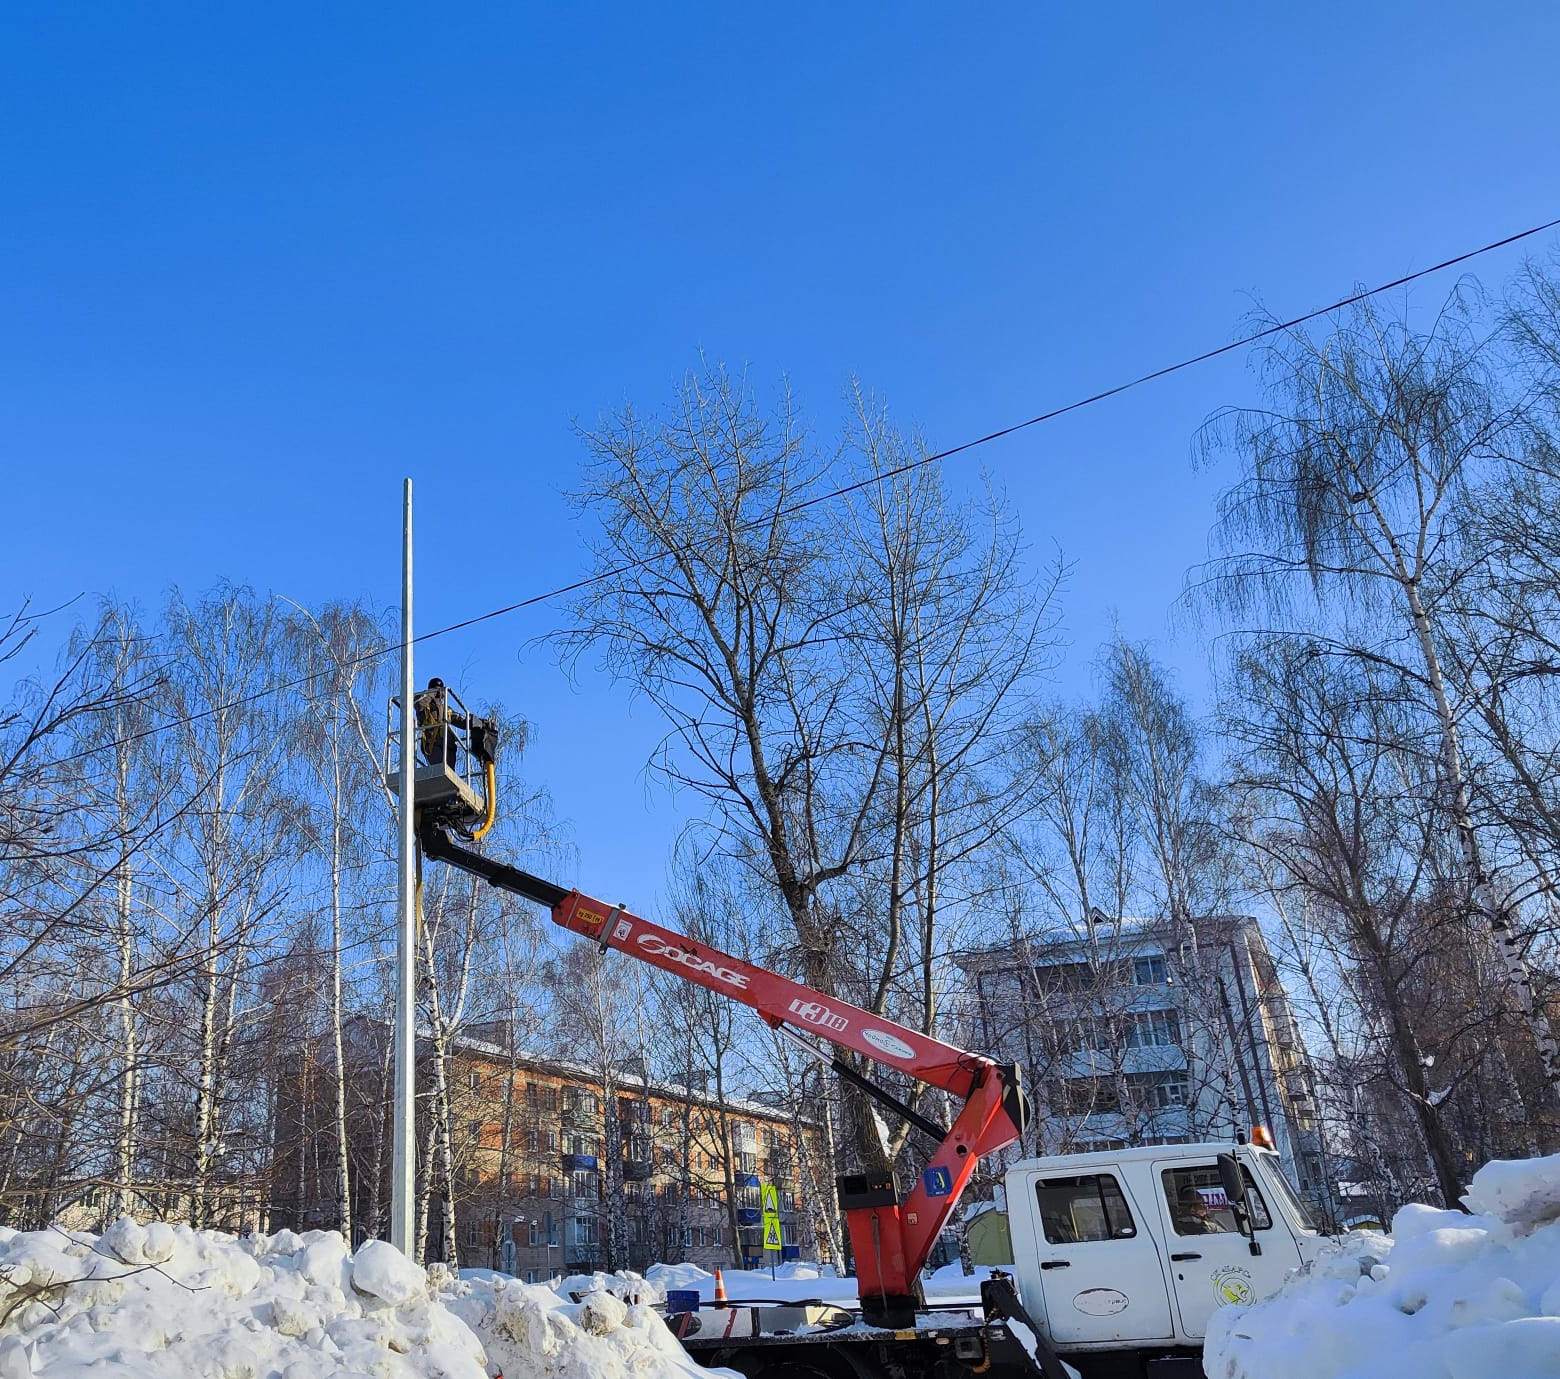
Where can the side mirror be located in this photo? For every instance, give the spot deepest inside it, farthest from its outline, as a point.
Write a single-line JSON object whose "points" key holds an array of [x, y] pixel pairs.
{"points": [[1234, 1184]]}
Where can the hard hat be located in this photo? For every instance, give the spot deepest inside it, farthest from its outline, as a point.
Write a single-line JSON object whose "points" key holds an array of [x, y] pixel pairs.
{"points": [[435, 683]]}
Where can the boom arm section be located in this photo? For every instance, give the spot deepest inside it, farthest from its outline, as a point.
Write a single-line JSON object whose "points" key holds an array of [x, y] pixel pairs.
{"points": [[891, 1240]]}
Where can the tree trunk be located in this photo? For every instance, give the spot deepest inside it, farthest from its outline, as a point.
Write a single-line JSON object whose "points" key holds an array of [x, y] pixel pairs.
{"points": [[343, 1155], [1491, 908]]}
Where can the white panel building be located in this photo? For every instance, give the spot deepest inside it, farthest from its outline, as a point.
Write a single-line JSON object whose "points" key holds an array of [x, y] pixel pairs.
{"points": [[1141, 1032]]}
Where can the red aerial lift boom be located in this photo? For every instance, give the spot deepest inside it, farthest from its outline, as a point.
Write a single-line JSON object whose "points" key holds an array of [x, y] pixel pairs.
{"points": [[891, 1238]]}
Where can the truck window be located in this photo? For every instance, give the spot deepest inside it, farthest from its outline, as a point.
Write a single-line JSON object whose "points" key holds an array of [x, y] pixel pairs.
{"points": [[1283, 1188], [1197, 1204], [1091, 1207]]}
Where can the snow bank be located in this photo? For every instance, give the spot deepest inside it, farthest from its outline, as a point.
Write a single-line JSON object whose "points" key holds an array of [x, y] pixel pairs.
{"points": [[529, 1330], [166, 1302], [1445, 1296]]}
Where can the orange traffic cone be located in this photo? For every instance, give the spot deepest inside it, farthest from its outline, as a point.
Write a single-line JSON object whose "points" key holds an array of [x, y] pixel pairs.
{"points": [[720, 1287]]}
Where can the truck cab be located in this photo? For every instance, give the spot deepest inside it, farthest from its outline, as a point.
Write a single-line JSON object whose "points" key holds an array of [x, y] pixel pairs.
{"points": [[1134, 1249]]}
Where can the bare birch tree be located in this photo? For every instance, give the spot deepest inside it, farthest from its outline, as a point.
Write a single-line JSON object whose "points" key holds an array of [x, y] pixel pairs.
{"points": [[1350, 484]]}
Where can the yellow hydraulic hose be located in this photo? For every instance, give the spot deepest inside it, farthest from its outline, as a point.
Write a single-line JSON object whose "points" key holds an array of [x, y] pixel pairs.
{"points": [[490, 783], [417, 913]]}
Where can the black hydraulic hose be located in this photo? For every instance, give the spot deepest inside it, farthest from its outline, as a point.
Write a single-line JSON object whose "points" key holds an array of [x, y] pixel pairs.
{"points": [[436, 843]]}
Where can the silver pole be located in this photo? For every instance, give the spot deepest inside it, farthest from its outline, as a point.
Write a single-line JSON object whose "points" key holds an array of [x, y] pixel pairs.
{"points": [[403, 1162]]}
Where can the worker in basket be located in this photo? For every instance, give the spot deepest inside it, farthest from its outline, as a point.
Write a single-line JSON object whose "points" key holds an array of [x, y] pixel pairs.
{"points": [[435, 718]]}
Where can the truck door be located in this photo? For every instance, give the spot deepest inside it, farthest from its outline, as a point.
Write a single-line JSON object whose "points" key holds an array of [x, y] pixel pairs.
{"points": [[1099, 1266], [1211, 1263]]}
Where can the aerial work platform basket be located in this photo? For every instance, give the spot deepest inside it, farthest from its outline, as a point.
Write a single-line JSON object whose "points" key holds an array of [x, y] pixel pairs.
{"points": [[452, 774]]}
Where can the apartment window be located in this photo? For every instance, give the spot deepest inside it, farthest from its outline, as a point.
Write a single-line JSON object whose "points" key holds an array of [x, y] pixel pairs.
{"points": [[1076, 1210], [474, 1081], [687, 1237], [1087, 1032], [1087, 1096], [1154, 1029], [587, 1230], [1064, 976], [1160, 1090], [1101, 1146], [1150, 970], [715, 1235], [475, 1130]]}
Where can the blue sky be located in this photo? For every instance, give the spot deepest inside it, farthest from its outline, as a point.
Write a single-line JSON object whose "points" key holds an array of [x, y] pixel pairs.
{"points": [[259, 262]]}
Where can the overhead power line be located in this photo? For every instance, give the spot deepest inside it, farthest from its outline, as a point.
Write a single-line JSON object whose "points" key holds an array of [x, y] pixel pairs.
{"points": [[1277, 328]]}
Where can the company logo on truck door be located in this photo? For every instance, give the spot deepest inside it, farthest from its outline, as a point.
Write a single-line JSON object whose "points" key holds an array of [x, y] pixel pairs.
{"points": [[1101, 1302], [816, 1013], [1232, 1284], [657, 946]]}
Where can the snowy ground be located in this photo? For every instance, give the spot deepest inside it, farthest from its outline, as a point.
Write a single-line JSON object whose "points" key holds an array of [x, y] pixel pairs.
{"points": [[164, 1302], [1446, 1296]]}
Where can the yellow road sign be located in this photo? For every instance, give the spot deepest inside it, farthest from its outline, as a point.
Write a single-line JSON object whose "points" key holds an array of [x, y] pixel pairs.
{"points": [[771, 1232], [769, 1199]]}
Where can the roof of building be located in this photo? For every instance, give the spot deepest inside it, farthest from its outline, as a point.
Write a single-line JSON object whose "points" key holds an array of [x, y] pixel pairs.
{"points": [[1122, 936], [588, 1074]]}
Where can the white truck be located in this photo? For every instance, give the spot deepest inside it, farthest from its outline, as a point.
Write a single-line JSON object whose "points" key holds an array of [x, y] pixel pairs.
{"points": [[1120, 1257]]}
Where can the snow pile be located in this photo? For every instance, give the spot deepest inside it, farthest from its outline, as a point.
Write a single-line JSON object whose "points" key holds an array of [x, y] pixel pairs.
{"points": [[669, 1276], [626, 1286], [166, 1302], [952, 1284], [529, 1330], [1446, 1296]]}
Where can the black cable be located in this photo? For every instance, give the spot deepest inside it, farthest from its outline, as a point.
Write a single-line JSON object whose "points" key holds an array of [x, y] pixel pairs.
{"points": [[846, 489]]}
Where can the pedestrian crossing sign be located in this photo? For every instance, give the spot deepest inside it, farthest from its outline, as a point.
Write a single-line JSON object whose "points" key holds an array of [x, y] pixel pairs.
{"points": [[769, 1200]]}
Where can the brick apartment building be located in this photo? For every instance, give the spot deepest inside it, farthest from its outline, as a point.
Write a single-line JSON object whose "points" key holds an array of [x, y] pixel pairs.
{"points": [[558, 1168]]}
